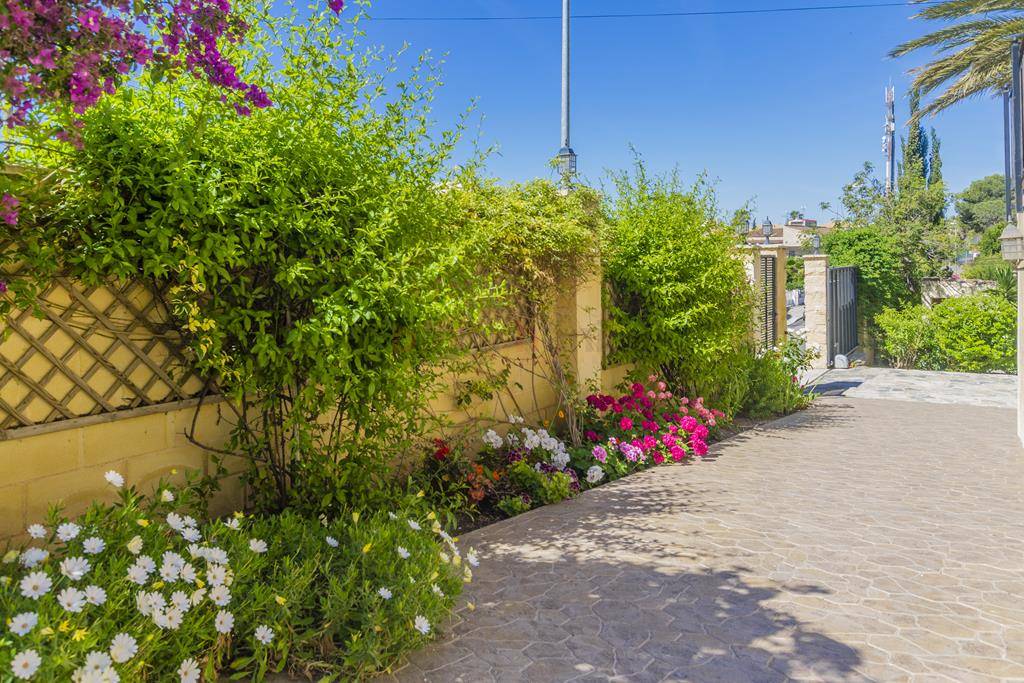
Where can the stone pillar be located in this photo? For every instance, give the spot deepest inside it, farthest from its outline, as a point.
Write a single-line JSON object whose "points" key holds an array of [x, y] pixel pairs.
{"points": [[816, 306], [1020, 348], [578, 319], [781, 254]]}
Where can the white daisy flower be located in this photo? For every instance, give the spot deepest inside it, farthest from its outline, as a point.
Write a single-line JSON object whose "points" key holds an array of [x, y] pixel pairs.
{"points": [[180, 601], [147, 563], [264, 634], [216, 574], [422, 625], [173, 558], [191, 534], [173, 618], [169, 572], [137, 575], [188, 672], [197, 596], [23, 623], [384, 593], [224, 621], [332, 541], [166, 496], [95, 595], [437, 590], [97, 661], [37, 531], [159, 619], [25, 664], [68, 531], [71, 599], [123, 647], [135, 545], [175, 521], [93, 545], [114, 479], [472, 558], [190, 521], [257, 545], [31, 557], [392, 515], [414, 525], [403, 553], [220, 595], [187, 573], [216, 556], [74, 567], [232, 523], [35, 585]]}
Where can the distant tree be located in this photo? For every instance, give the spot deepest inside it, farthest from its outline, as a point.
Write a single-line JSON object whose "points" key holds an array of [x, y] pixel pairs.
{"points": [[971, 56], [982, 205], [795, 214]]}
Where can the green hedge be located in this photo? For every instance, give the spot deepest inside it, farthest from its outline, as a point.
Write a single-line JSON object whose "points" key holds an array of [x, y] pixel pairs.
{"points": [[976, 333]]}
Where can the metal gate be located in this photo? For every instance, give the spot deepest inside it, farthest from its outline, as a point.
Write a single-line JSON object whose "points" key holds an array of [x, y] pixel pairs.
{"points": [[842, 311], [766, 302]]}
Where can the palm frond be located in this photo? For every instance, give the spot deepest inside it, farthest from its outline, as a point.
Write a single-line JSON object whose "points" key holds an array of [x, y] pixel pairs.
{"points": [[957, 9], [973, 55]]}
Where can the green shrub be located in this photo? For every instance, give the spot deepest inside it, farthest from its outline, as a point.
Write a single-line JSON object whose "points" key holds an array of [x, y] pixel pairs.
{"points": [[515, 505], [881, 281], [795, 272], [905, 335], [306, 251], [680, 299], [210, 586], [774, 380], [975, 333]]}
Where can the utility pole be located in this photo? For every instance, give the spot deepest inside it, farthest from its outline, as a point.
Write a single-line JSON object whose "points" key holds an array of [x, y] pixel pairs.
{"points": [[889, 140], [566, 156], [1008, 164]]}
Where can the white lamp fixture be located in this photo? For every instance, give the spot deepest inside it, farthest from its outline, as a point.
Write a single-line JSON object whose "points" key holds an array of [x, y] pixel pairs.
{"points": [[766, 230], [1011, 243]]}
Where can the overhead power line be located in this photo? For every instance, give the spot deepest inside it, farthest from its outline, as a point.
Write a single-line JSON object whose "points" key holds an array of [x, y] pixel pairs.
{"points": [[643, 15]]}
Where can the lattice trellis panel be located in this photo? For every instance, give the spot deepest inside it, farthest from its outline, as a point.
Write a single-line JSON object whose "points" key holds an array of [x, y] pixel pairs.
{"points": [[96, 350]]}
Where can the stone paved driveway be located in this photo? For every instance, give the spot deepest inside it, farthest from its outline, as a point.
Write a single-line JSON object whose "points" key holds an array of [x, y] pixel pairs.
{"points": [[996, 391], [858, 540]]}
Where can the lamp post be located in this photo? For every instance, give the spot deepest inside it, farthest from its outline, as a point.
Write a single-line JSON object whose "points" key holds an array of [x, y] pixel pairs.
{"points": [[566, 156], [816, 243], [766, 230]]}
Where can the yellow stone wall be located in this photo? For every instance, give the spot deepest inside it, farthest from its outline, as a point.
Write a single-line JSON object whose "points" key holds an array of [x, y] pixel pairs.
{"points": [[65, 460]]}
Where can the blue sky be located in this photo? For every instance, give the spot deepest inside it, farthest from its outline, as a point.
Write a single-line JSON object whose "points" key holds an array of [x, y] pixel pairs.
{"points": [[779, 108]]}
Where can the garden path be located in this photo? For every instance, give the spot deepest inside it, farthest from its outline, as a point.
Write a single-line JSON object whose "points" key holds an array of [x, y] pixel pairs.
{"points": [[857, 540]]}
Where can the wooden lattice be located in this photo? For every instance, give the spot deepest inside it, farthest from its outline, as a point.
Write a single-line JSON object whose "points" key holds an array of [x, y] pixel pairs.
{"points": [[95, 350]]}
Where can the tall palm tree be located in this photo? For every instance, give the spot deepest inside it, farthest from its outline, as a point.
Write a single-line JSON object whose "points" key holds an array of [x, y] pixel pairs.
{"points": [[974, 54]]}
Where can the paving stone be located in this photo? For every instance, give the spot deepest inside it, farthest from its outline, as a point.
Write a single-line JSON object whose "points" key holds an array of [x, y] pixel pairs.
{"points": [[860, 540]]}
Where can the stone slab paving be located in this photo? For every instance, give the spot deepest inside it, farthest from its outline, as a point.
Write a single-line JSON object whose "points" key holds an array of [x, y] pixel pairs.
{"points": [[859, 540], [997, 391]]}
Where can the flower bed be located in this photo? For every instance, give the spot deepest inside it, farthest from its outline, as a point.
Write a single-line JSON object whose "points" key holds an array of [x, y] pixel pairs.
{"points": [[528, 467], [142, 590]]}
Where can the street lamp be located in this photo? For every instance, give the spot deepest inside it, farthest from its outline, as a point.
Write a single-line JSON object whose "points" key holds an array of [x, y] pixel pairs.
{"points": [[816, 243], [1011, 242], [766, 230], [566, 161]]}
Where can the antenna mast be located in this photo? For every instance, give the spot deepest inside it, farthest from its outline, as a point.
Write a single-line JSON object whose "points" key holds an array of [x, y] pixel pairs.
{"points": [[889, 140]]}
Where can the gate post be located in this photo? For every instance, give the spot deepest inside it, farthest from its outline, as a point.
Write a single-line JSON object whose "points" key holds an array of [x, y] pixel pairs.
{"points": [[816, 306], [781, 254]]}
